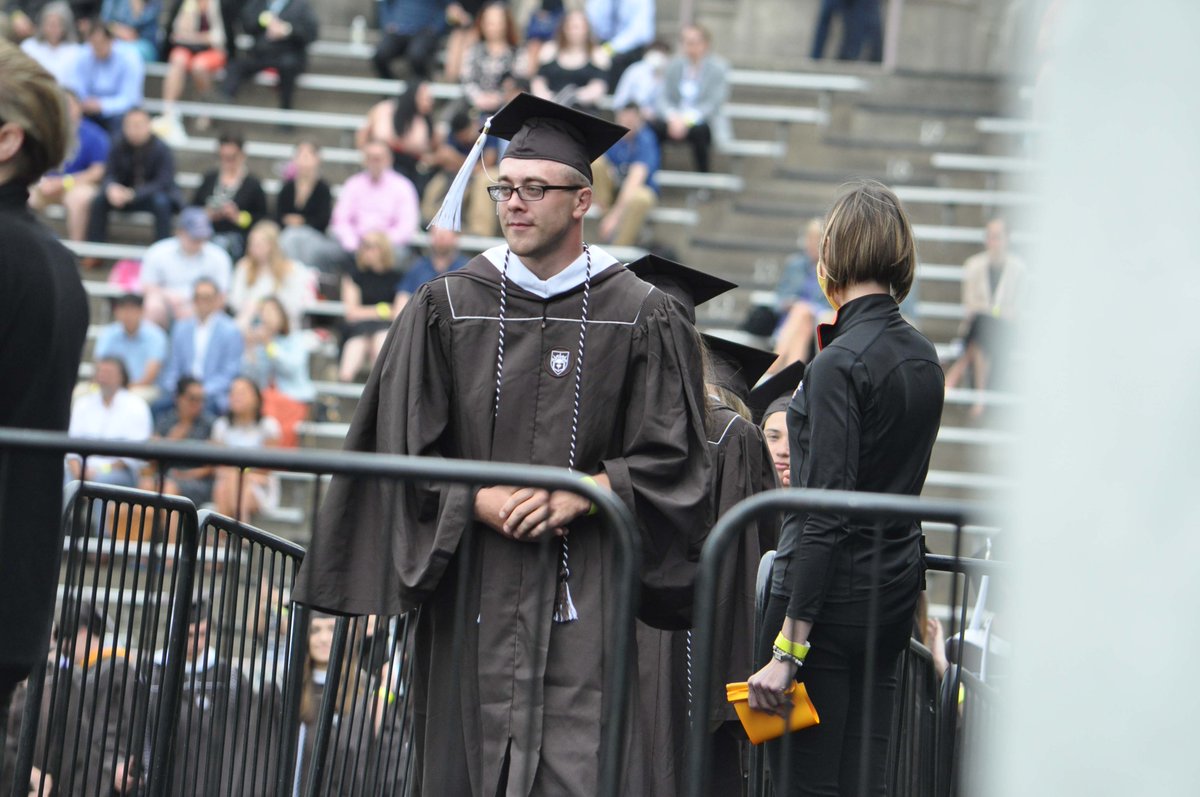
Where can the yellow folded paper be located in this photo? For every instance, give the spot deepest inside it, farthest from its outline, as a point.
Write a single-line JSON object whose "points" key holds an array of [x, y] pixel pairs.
{"points": [[761, 726]]}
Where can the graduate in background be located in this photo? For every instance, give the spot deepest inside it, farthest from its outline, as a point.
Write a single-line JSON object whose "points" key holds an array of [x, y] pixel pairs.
{"points": [[545, 351], [741, 468]]}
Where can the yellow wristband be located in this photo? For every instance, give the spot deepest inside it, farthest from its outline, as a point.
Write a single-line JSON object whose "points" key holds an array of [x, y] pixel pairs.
{"points": [[793, 649], [593, 509], [68, 182], [384, 309], [384, 692], [272, 349], [245, 219], [264, 19]]}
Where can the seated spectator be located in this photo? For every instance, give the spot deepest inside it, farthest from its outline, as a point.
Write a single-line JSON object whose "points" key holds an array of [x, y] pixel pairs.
{"points": [[277, 361], [136, 22], [368, 290], [56, 45], [695, 86], [110, 412], [75, 185], [186, 420], [453, 143], [491, 59], [573, 71], [107, 78], [625, 28], [993, 281], [171, 267], [643, 81], [266, 272], [409, 29], [196, 47], [444, 256], [541, 27], [137, 342], [281, 39], [406, 124], [207, 347], [139, 175], [18, 19], [241, 493], [233, 198], [625, 191], [463, 35], [375, 199], [304, 207], [799, 303]]}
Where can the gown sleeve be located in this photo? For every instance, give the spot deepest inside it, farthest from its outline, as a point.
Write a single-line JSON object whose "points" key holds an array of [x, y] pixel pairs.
{"points": [[380, 546], [663, 474]]}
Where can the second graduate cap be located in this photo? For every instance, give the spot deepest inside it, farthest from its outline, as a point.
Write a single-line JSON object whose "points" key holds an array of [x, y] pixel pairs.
{"points": [[537, 129], [737, 367], [774, 394], [690, 286]]}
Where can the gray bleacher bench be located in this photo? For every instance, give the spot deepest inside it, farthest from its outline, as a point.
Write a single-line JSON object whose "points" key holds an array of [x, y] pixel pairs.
{"points": [[1000, 164], [1007, 126], [919, 194]]}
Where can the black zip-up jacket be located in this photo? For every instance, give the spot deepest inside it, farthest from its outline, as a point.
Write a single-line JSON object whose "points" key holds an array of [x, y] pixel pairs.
{"points": [[865, 418]]}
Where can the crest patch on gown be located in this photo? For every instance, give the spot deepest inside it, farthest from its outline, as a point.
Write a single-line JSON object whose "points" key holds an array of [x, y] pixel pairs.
{"points": [[559, 363]]}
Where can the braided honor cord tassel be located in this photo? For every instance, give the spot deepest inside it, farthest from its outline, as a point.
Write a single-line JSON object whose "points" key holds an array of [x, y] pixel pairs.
{"points": [[500, 350], [564, 607]]}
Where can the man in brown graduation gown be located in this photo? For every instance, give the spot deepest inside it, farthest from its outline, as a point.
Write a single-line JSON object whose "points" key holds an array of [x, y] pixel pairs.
{"points": [[543, 351]]}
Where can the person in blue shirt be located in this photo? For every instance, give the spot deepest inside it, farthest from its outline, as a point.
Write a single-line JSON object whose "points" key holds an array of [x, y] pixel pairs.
{"points": [[135, 341], [626, 190], [75, 185], [444, 256], [108, 78], [625, 28], [800, 304], [136, 22], [411, 29]]}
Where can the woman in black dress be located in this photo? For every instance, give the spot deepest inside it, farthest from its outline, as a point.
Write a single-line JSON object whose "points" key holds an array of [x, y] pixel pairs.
{"points": [[575, 71], [368, 292], [865, 418]]}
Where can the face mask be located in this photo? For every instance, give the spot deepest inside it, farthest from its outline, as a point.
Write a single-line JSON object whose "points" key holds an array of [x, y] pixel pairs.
{"points": [[823, 282]]}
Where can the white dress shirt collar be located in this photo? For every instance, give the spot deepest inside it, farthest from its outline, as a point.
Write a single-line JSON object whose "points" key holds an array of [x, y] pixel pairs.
{"points": [[569, 278]]}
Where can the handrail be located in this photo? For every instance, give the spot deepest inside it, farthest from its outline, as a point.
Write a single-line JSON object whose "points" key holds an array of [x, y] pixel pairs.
{"points": [[612, 511]]}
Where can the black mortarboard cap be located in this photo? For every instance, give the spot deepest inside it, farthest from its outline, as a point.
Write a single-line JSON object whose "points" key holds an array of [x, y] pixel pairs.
{"points": [[737, 367], [690, 286], [539, 129], [92, 618], [536, 129], [773, 394]]}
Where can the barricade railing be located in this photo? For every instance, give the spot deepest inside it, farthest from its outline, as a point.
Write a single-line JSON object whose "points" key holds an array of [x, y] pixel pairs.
{"points": [[863, 507], [238, 580], [83, 695]]}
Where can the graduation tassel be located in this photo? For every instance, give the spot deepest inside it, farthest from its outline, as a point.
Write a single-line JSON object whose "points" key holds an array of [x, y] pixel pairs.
{"points": [[564, 607], [449, 215]]}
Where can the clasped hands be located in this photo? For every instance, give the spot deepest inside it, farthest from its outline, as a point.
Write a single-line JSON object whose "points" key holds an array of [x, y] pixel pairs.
{"points": [[528, 513]]}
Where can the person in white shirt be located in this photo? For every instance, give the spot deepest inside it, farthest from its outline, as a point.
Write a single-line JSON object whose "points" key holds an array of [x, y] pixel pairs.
{"points": [[110, 412], [55, 46], [171, 267]]}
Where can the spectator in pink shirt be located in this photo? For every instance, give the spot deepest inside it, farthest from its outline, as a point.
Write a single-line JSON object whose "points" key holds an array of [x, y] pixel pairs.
{"points": [[376, 199]]}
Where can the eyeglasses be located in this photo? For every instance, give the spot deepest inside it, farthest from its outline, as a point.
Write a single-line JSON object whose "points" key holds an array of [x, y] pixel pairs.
{"points": [[526, 193]]}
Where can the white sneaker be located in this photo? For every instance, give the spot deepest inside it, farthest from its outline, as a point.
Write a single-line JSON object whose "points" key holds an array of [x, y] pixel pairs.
{"points": [[169, 128]]}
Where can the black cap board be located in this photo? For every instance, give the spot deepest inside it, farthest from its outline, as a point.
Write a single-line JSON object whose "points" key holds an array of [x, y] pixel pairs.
{"points": [[543, 130], [736, 366], [773, 394], [690, 286]]}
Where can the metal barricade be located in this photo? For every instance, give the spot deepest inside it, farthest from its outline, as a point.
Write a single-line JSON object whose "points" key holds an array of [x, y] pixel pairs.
{"points": [[850, 505], [230, 584], [115, 600]]}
